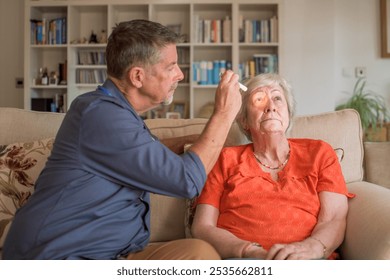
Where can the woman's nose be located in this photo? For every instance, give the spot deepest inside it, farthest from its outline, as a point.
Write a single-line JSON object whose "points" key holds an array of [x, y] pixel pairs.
{"points": [[269, 106]]}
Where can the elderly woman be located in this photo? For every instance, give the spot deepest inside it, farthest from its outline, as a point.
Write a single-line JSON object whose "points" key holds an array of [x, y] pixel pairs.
{"points": [[275, 198]]}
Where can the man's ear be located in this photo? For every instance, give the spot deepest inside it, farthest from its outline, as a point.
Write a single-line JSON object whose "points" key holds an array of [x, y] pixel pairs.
{"points": [[136, 76]]}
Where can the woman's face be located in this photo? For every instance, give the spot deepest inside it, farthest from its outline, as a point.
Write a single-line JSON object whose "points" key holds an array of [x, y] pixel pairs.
{"points": [[267, 111]]}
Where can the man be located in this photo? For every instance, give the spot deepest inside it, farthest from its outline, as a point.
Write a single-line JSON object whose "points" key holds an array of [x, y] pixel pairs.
{"points": [[91, 201]]}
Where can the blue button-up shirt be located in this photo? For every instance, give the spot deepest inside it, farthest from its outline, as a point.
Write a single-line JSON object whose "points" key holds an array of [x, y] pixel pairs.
{"points": [[91, 201]]}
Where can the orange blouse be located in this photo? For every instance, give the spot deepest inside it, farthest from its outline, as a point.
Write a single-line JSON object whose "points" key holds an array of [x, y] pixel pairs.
{"points": [[256, 208]]}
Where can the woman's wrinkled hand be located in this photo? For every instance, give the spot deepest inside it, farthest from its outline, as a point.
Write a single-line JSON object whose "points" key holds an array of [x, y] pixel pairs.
{"points": [[308, 249]]}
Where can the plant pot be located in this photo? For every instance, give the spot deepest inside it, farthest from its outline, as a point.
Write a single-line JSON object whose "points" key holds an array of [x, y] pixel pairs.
{"points": [[379, 134]]}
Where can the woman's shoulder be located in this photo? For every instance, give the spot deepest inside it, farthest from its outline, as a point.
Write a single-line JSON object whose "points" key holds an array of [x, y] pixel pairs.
{"points": [[309, 143], [234, 153], [311, 146]]}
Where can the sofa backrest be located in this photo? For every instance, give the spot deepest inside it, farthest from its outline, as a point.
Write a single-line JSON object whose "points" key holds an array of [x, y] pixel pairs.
{"points": [[18, 125]]}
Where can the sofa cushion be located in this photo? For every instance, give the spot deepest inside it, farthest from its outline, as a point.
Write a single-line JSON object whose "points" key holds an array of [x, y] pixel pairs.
{"points": [[20, 165], [170, 128], [167, 211], [376, 161], [19, 125], [367, 236], [166, 218]]}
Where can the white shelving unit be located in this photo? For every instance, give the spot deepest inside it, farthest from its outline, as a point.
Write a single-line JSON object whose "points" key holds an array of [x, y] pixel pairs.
{"points": [[87, 16]]}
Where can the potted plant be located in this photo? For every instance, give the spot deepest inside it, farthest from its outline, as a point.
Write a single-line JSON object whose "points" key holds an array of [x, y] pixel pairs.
{"points": [[372, 109]]}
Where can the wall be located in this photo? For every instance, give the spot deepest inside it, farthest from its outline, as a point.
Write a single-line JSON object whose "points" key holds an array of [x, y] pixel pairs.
{"points": [[11, 52], [358, 44], [308, 51], [322, 42]]}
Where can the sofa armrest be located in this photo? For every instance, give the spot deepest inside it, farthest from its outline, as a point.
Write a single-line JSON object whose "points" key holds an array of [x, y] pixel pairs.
{"points": [[377, 162], [368, 224]]}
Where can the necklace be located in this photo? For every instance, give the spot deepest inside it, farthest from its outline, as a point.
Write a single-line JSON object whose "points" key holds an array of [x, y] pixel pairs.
{"points": [[273, 168]]}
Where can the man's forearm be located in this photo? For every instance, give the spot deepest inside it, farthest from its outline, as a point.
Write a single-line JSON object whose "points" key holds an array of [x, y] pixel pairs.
{"points": [[211, 141]]}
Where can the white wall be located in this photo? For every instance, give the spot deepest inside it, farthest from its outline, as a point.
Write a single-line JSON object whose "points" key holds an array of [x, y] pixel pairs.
{"points": [[11, 52], [358, 44], [322, 42], [308, 51]]}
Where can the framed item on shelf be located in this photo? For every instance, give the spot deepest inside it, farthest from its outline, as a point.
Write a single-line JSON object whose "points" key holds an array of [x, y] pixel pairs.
{"points": [[179, 107], [53, 81], [173, 115], [385, 27]]}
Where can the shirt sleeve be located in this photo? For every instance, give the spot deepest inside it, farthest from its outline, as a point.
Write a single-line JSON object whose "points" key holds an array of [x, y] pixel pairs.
{"points": [[116, 145], [330, 177], [214, 187]]}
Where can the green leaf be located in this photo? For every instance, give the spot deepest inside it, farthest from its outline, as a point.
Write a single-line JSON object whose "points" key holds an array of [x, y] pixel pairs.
{"points": [[370, 106]]}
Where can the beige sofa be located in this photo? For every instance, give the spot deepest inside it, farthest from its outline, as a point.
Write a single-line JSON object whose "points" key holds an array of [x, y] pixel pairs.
{"points": [[368, 228]]}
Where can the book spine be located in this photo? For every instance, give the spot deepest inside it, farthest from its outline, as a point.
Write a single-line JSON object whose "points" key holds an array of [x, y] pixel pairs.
{"points": [[216, 71]]}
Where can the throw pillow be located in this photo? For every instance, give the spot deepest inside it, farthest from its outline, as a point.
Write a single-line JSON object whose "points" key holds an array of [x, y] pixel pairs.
{"points": [[20, 166], [189, 216], [340, 153]]}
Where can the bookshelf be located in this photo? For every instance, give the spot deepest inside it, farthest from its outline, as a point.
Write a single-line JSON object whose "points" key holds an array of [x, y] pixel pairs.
{"points": [[242, 35]]}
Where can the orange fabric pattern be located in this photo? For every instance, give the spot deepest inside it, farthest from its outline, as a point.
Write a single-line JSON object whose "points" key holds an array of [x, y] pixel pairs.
{"points": [[256, 208]]}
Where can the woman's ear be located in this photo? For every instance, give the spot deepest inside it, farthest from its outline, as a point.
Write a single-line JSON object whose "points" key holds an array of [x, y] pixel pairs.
{"points": [[243, 123], [136, 76]]}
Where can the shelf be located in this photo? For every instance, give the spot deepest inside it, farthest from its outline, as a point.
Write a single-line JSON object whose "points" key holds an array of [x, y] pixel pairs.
{"points": [[82, 54]]}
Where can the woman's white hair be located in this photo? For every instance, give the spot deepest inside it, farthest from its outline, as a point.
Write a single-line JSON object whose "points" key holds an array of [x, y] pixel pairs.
{"points": [[264, 80]]}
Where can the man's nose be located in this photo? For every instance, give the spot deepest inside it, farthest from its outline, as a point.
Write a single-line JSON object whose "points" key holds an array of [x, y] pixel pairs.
{"points": [[179, 74]]}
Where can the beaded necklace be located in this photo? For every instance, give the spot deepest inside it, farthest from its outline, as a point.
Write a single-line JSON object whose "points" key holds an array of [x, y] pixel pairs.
{"points": [[273, 168]]}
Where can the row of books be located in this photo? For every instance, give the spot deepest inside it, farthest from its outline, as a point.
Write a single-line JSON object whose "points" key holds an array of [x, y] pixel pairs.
{"points": [[87, 57], [48, 32], [207, 72], [260, 63], [250, 30], [91, 76], [213, 30], [258, 31]]}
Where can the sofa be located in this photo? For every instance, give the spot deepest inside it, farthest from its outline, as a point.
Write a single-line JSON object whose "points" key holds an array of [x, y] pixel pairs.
{"points": [[26, 139]]}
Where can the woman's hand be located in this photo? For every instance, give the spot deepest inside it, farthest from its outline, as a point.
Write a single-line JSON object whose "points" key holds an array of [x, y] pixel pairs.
{"points": [[254, 252], [307, 249]]}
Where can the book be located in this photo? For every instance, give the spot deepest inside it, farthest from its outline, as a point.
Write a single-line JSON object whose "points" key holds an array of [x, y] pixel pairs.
{"points": [[227, 30]]}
